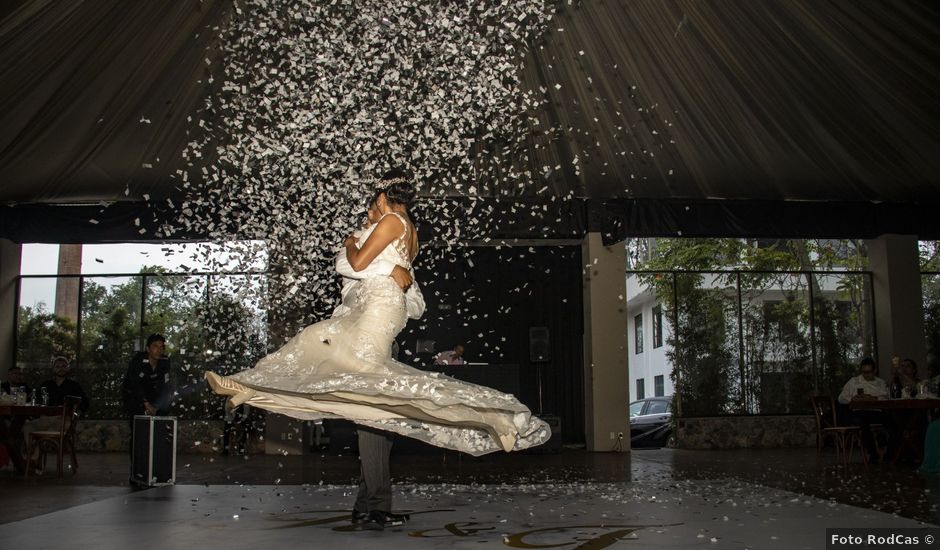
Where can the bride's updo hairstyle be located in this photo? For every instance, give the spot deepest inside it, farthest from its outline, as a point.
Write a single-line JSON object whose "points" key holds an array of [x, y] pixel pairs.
{"points": [[399, 187]]}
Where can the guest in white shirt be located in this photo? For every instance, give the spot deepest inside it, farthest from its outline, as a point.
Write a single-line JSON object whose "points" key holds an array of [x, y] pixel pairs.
{"points": [[868, 382], [865, 387], [450, 357]]}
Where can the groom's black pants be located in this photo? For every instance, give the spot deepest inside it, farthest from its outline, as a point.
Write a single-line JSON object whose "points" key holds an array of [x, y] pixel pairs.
{"points": [[375, 485]]}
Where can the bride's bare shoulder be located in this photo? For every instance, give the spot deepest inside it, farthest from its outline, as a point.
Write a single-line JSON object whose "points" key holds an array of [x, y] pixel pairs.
{"points": [[395, 215]]}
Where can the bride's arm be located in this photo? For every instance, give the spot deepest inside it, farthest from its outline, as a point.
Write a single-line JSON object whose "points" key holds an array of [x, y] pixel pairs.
{"points": [[378, 268], [388, 229]]}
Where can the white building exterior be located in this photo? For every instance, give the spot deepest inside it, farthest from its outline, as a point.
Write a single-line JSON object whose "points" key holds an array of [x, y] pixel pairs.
{"points": [[649, 368]]}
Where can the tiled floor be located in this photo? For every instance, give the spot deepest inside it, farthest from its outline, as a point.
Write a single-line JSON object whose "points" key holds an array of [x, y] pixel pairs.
{"points": [[649, 498]]}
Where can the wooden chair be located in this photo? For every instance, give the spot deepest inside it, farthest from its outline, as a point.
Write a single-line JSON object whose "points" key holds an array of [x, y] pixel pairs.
{"points": [[58, 441], [846, 438], [879, 432]]}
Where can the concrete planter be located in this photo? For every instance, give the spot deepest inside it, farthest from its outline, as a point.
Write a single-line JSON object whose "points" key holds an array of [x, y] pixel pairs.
{"points": [[746, 432]]}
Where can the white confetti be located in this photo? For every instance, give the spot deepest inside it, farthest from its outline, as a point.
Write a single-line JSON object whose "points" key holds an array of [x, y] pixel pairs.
{"points": [[296, 145]]}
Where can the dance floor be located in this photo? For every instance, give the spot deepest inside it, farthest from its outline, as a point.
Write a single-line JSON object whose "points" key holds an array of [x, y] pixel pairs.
{"points": [[656, 499], [711, 514]]}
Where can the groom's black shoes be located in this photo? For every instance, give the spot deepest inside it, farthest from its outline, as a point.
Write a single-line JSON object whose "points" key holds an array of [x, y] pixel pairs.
{"points": [[359, 517], [376, 521]]}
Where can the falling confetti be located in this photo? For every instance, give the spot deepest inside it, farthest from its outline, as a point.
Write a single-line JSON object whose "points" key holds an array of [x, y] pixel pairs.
{"points": [[319, 99]]}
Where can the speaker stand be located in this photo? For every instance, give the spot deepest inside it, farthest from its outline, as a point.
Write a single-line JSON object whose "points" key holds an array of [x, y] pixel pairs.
{"points": [[539, 374]]}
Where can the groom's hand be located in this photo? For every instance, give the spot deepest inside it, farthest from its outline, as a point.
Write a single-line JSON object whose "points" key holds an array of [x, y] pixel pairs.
{"points": [[402, 277]]}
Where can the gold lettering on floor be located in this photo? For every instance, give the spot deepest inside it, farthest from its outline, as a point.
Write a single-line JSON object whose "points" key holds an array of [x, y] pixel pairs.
{"points": [[591, 537], [573, 537], [595, 541], [458, 529]]}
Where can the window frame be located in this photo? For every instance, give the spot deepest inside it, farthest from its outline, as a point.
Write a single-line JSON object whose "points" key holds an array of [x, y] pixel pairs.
{"points": [[657, 326], [638, 334]]}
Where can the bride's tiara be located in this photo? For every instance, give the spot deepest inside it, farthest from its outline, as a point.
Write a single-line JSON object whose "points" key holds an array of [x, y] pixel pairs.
{"points": [[388, 183]]}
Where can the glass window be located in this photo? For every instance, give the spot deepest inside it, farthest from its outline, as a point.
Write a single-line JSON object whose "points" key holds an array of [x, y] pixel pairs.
{"points": [[638, 332], [659, 386], [930, 287], [657, 327], [110, 333], [640, 388], [752, 341], [125, 292], [46, 325], [636, 408], [658, 407]]}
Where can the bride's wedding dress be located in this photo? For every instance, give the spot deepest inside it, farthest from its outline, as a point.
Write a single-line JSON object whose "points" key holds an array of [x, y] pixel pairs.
{"points": [[342, 368]]}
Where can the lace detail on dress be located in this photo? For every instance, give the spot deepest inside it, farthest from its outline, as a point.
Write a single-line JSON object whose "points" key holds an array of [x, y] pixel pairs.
{"points": [[401, 246]]}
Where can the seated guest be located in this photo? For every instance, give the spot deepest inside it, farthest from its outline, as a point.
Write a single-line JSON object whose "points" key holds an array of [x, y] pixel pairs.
{"points": [[148, 387], [16, 378], [908, 377], [450, 357], [895, 367], [58, 387], [61, 385], [865, 386]]}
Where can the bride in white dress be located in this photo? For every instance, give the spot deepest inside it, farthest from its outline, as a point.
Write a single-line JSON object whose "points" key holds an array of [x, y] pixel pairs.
{"points": [[342, 367]]}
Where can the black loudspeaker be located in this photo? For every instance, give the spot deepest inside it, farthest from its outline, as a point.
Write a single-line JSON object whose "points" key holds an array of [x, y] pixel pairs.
{"points": [[540, 349]]}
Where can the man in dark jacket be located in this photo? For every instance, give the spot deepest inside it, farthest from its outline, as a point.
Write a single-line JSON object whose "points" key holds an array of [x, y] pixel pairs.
{"points": [[148, 384]]}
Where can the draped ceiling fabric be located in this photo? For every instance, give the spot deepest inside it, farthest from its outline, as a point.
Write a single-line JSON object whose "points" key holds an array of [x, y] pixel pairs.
{"points": [[96, 96], [661, 117], [745, 117]]}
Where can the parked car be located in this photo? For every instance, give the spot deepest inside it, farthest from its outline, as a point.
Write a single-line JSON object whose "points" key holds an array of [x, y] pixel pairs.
{"points": [[650, 421]]}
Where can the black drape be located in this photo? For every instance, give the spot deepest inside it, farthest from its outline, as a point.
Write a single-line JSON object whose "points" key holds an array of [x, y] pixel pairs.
{"points": [[488, 298]]}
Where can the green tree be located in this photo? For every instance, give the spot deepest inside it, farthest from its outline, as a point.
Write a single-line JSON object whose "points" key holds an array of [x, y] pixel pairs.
{"points": [[109, 333], [700, 340], [42, 335], [233, 341], [110, 317], [930, 284]]}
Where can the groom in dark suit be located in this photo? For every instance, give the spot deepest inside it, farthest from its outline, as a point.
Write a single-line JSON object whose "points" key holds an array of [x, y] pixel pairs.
{"points": [[374, 501]]}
